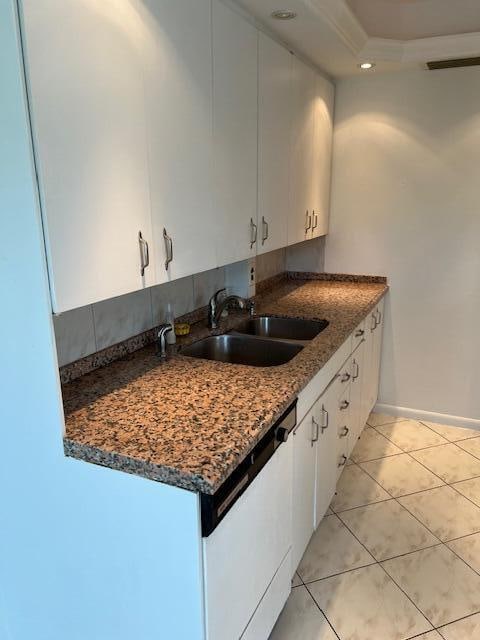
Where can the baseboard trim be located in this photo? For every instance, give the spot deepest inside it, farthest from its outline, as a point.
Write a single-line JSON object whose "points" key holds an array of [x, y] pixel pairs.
{"points": [[427, 416]]}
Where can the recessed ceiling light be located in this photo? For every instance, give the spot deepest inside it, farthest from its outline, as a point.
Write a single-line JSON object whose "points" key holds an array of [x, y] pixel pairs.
{"points": [[284, 14], [366, 65]]}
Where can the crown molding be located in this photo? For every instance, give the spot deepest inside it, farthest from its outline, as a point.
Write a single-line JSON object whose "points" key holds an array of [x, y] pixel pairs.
{"points": [[342, 20], [442, 47], [346, 25]]}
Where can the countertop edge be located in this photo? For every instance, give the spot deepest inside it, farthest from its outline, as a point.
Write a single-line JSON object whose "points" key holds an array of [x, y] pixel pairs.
{"points": [[194, 482]]}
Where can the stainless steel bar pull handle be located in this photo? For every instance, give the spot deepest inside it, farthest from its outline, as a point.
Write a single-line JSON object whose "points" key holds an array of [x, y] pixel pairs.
{"points": [[346, 377], [308, 222], [343, 461], [325, 417], [374, 323], [315, 220], [315, 431], [344, 405], [168, 248], [345, 431], [357, 370], [253, 233], [380, 316], [264, 230], [144, 253]]}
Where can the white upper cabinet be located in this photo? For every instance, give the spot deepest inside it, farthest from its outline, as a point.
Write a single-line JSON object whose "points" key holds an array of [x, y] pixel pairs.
{"points": [[274, 143], [178, 88], [312, 129], [235, 134], [84, 68], [303, 128], [322, 160]]}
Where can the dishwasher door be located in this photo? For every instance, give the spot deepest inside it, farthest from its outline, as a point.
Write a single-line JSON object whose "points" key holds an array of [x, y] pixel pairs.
{"points": [[243, 554]]}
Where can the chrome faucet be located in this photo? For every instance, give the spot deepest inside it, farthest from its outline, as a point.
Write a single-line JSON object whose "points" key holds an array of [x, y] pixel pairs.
{"points": [[216, 308], [162, 342]]}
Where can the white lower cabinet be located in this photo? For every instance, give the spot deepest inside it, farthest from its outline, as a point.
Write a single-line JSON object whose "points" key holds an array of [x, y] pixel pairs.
{"points": [[245, 552], [357, 420], [250, 557], [326, 410], [271, 605], [304, 461], [344, 427]]}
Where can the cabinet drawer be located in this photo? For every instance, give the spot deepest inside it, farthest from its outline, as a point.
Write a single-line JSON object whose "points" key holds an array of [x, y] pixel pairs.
{"points": [[358, 335], [318, 384]]}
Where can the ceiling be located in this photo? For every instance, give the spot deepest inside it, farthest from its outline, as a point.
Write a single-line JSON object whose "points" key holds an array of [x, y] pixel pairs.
{"points": [[395, 34], [411, 19]]}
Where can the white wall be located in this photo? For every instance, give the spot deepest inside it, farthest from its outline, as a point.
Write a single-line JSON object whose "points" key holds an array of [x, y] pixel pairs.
{"points": [[406, 204], [85, 552]]}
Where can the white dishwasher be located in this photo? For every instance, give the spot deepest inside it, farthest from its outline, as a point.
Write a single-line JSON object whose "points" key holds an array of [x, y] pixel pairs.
{"points": [[247, 531]]}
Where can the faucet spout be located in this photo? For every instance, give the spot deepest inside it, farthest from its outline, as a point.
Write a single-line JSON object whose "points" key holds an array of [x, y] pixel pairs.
{"points": [[217, 308]]}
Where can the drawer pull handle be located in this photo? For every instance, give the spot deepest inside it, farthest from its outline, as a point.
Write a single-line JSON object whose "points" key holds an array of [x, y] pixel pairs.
{"points": [[345, 432], [144, 253], [308, 222], [345, 404], [264, 230], [168, 248], [315, 427], [343, 462], [357, 370], [346, 377], [324, 419], [253, 233], [359, 333]]}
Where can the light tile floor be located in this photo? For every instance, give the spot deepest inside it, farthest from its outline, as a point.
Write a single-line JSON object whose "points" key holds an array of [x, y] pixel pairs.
{"points": [[397, 556]]}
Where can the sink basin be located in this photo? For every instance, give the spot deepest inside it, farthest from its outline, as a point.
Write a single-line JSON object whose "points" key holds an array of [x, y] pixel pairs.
{"points": [[286, 328], [242, 350]]}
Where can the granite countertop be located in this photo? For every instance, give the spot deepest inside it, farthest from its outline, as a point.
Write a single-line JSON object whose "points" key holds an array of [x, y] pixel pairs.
{"points": [[189, 422]]}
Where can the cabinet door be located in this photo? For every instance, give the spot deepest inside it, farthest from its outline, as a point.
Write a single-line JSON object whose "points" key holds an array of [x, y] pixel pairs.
{"points": [[178, 89], [304, 460], [243, 554], [326, 416], [356, 408], [303, 128], [235, 133], [377, 351], [367, 393], [322, 155], [87, 97], [274, 140]]}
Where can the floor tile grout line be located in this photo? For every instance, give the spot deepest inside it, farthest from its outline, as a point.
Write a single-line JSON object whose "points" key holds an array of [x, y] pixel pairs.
{"points": [[442, 626], [453, 427], [466, 450], [394, 581], [321, 611], [439, 544], [432, 446], [462, 559], [435, 474], [461, 494]]}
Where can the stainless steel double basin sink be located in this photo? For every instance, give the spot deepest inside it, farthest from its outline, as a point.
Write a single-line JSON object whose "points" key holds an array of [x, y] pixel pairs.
{"points": [[264, 341]]}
